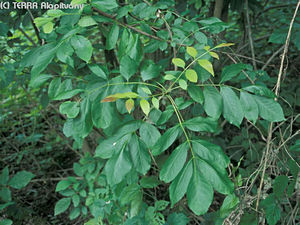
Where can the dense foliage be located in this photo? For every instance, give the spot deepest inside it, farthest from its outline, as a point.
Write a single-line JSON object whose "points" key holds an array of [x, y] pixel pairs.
{"points": [[150, 112]]}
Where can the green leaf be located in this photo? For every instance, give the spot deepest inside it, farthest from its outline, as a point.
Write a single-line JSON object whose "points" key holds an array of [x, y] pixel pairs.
{"points": [[211, 153], [199, 194], [273, 214], [206, 65], [41, 58], [67, 94], [231, 71], [174, 163], [260, 90], [182, 84], [83, 47], [38, 80], [6, 222], [269, 109], [249, 106], [149, 70], [216, 176], [149, 182], [139, 155], [86, 21], [129, 193], [134, 48], [112, 38], [5, 194], [169, 77], [146, 90], [249, 219], [180, 185], [229, 203], [41, 21], [62, 185], [82, 124], [200, 124], [61, 206], [166, 140], [201, 37], [213, 102], [98, 71], [224, 45], [117, 167], [161, 205], [149, 134], [214, 55], [91, 222], [65, 52], [5, 205], [155, 102], [74, 213], [114, 143], [4, 176], [232, 111], [177, 218], [196, 93], [105, 5], [71, 109], [128, 67], [76, 200], [278, 36], [145, 106], [54, 87], [178, 62], [123, 11], [191, 75], [103, 114], [114, 97], [20, 179], [191, 51], [55, 13], [280, 184], [48, 27]]}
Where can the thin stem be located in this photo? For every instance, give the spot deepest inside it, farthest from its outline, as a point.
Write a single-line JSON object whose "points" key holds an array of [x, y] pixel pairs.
{"points": [[180, 124], [250, 36], [212, 85], [124, 83]]}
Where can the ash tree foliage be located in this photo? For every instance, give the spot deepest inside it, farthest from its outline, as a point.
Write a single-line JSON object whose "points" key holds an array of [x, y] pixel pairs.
{"points": [[142, 78]]}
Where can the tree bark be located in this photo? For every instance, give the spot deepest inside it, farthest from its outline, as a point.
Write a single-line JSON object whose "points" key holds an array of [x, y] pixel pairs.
{"points": [[218, 8]]}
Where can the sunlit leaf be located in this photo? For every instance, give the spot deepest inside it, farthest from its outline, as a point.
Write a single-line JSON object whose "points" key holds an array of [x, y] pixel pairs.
{"points": [[178, 62], [145, 106], [206, 65], [191, 75], [191, 51], [224, 45]]}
